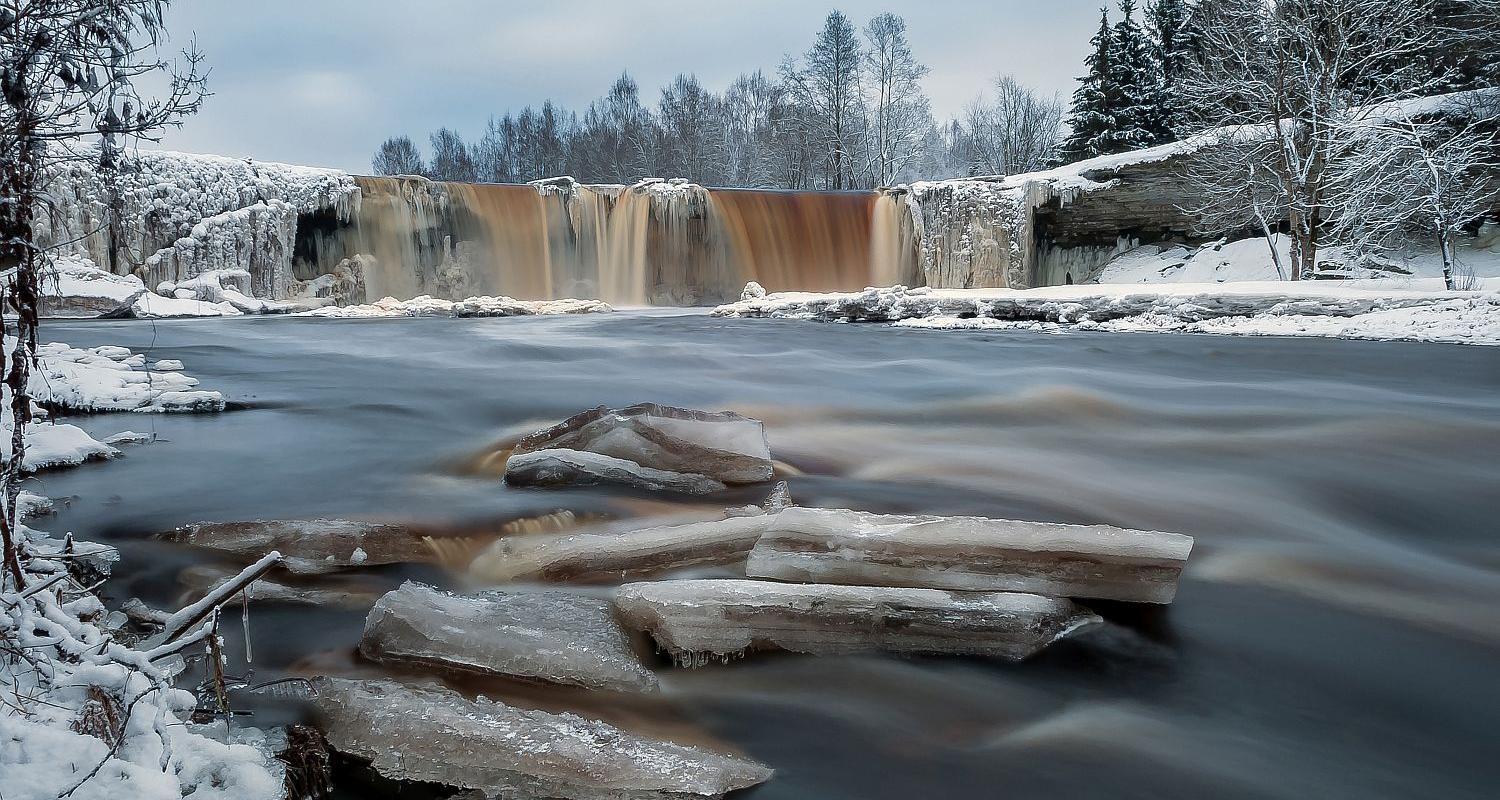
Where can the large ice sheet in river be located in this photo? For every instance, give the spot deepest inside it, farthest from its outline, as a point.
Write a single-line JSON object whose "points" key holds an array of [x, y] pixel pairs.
{"points": [[564, 467], [970, 553], [696, 620], [433, 734], [549, 636]]}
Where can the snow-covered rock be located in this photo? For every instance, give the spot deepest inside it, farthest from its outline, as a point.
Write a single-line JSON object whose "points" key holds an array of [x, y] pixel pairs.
{"points": [[549, 636], [699, 620], [1306, 308], [819, 545], [112, 379], [433, 734], [51, 445], [73, 287], [428, 306]]}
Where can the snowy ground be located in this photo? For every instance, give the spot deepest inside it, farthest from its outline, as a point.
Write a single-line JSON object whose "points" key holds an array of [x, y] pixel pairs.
{"points": [[68, 685], [1250, 260], [1349, 309]]}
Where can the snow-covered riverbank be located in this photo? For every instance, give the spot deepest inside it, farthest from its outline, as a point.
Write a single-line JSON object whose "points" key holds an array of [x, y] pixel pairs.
{"points": [[1344, 309], [84, 711]]}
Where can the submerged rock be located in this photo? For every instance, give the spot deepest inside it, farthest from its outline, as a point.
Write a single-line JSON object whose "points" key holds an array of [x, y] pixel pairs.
{"points": [[561, 467], [549, 636], [433, 734], [971, 553], [310, 546], [724, 446], [696, 620]]}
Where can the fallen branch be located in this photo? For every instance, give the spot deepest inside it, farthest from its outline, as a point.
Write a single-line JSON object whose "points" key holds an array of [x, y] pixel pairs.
{"points": [[183, 620]]}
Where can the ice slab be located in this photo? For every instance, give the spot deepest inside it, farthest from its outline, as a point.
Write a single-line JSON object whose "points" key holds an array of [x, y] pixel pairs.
{"points": [[970, 553], [549, 636], [433, 734], [699, 620], [563, 467], [310, 546], [723, 445], [607, 553]]}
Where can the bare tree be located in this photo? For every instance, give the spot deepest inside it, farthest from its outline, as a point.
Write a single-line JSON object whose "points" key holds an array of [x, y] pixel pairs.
{"points": [[1018, 132], [451, 159], [900, 116], [692, 130], [1408, 178], [397, 155], [68, 71], [827, 87], [1297, 76]]}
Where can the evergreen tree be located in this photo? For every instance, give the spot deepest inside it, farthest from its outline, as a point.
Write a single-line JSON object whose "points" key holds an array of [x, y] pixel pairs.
{"points": [[1170, 45], [1090, 117], [1134, 98]]}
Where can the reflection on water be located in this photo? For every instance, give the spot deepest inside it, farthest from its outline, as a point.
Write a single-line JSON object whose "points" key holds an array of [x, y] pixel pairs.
{"points": [[1336, 634]]}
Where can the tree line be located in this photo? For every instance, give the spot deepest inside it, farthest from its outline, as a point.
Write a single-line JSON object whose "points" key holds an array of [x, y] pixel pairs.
{"points": [[849, 113]]}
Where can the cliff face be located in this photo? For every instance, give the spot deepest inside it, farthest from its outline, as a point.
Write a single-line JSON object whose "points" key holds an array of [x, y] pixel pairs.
{"points": [[181, 215]]}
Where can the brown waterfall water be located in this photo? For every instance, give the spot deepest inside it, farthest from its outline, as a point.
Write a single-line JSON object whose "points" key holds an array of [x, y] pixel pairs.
{"points": [[653, 243]]}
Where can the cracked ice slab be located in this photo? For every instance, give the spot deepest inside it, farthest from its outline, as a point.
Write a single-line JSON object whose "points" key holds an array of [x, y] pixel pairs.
{"points": [[723, 445], [549, 636], [563, 467], [433, 734], [970, 553], [696, 620]]}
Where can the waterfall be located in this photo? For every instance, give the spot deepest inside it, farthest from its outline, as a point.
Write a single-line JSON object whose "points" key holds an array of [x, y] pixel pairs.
{"points": [[656, 242]]}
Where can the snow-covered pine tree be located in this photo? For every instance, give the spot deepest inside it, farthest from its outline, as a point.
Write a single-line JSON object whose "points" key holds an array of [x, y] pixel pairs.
{"points": [[1135, 99], [1090, 117], [1168, 21]]}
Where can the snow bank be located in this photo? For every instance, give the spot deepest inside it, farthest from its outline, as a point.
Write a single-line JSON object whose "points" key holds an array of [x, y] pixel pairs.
{"points": [[112, 379], [1309, 308], [428, 306], [1250, 260]]}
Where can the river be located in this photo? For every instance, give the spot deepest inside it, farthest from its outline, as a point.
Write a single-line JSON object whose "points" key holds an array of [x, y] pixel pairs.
{"points": [[1336, 635]]}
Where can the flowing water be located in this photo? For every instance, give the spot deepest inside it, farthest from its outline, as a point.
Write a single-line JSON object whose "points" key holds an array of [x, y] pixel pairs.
{"points": [[1337, 632]]}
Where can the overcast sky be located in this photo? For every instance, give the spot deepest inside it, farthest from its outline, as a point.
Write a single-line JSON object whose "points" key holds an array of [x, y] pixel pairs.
{"points": [[323, 82]]}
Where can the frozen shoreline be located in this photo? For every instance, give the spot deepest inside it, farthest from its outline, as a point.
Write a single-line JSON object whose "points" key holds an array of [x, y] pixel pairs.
{"points": [[1323, 308]]}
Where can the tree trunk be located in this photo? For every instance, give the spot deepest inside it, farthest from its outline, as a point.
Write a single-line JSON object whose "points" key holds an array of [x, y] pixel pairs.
{"points": [[1445, 246], [16, 248], [1304, 246]]}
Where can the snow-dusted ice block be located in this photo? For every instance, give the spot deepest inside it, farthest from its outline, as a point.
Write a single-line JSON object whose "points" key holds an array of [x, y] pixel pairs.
{"points": [[310, 546], [433, 734], [562, 467], [49, 446], [697, 620], [607, 553], [722, 445], [970, 553], [549, 636]]}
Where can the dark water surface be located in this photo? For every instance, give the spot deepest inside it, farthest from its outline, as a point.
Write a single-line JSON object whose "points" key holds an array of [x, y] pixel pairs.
{"points": [[1337, 634]]}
